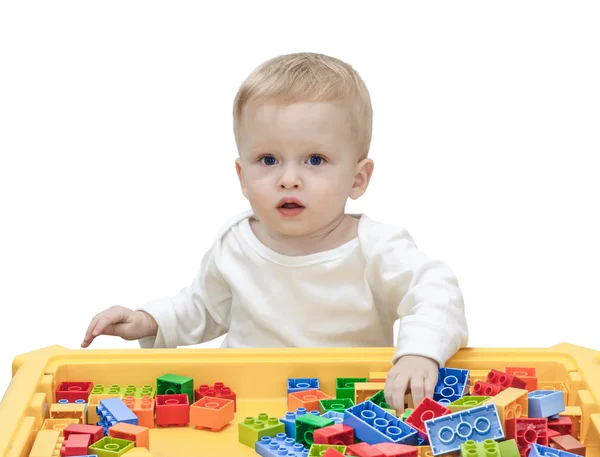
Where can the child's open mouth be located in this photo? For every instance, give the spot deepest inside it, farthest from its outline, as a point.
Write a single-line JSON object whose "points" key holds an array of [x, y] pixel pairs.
{"points": [[290, 209]]}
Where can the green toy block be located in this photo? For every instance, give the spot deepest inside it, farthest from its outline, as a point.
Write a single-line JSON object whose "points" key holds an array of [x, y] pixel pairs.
{"points": [[173, 384], [318, 450], [307, 424], [508, 448], [335, 405], [487, 448], [102, 389], [379, 400], [139, 392], [344, 387], [467, 402], [111, 447], [252, 430], [407, 412]]}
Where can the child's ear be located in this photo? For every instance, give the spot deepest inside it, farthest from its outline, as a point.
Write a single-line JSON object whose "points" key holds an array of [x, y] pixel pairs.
{"points": [[240, 173], [363, 173]]}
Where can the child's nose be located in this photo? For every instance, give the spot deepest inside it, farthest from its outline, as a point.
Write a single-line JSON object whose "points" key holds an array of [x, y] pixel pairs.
{"points": [[290, 177]]}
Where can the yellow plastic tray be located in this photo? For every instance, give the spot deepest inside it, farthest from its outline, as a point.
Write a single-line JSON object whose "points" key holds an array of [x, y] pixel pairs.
{"points": [[259, 378]]}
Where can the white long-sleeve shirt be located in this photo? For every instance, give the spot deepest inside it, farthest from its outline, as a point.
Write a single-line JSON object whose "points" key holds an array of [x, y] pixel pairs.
{"points": [[349, 296]]}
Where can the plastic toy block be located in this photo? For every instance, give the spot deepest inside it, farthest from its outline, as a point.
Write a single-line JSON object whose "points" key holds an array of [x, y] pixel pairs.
{"points": [[75, 445], [252, 430], [138, 452], [486, 448], [452, 384], [172, 409], [554, 385], [390, 411], [212, 413], [526, 431], [331, 452], [363, 450], [69, 410], [373, 425], [447, 433], [508, 448], [505, 380], [377, 376], [562, 425], [567, 443], [427, 409], [511, 403], [58, 424], [379, 400], [139, 392], [93, 402], [551, 433], [113, 411], [339, 434], [344, 387], [527, 374], [365, 390], [300, 384], [467, 402], [337, 417], [111, 447], [47, 444], [280, 445], [143, 408], [546, 451], [94, 431], [308, 399], [101, 389], [139, 435], [407, 412], [486, 389], [219, 390], [335, 405], [574, 413], [396, 450], [289, 421], [546, 403], [306, 426], [72, 391], [321, 450], [171, 384]]}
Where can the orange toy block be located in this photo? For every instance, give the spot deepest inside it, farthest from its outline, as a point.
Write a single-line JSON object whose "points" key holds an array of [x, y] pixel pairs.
{"points": [[138, 434], [308, 399], [212, 413], [143, 408]]}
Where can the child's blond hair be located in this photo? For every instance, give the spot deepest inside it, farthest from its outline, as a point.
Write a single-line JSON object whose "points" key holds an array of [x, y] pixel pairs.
{"points": [[308, 76]]}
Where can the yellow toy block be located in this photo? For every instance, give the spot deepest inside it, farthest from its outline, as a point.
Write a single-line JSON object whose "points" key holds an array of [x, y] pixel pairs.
{"points": [[554, 385], [47, 444], [365, 390], [69, 410], [512, 403], [93, 402], [138, 452], [377, 376], [58, 424]]}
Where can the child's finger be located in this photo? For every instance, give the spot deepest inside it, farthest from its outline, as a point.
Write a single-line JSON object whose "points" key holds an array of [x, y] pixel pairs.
{"points": [[417, 388], [87, 340], [430, 382], [399, 391]]}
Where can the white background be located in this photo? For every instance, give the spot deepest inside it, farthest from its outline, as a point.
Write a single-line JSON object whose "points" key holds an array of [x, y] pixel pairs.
{"points": [[117, 152]]}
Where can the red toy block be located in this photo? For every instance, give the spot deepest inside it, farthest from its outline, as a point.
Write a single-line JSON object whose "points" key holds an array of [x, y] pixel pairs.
{"points": [[363, 450], [172, 409], [397, 450], [75, 445], [338, 434], [563, 425], [552, 433], [427, 409], [95, 431], [526, 374], [308, 399], [73, 391], [568, 443], [485, 389], [212, 413], [219, 390], [331, 452], [527, 431], [505, 380]]}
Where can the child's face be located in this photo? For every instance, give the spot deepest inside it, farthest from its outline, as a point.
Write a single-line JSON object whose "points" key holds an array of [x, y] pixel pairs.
{"points": [[304, 151]]}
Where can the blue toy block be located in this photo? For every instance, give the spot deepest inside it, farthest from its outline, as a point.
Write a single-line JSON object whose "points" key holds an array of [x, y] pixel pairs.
{"points": [[545, 403], [452, 384], [289, 421], [337, 417], [537, 450], [300, 384], [280, 445], [447, 433], [114, 410], [374, 425]]}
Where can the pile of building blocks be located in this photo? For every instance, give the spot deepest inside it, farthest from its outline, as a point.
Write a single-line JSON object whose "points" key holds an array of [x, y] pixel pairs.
{"points": [[506, 414]]}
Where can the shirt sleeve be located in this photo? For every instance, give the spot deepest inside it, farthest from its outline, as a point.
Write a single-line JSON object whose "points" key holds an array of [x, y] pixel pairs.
{"points": [[422, 292], [200, 312]]}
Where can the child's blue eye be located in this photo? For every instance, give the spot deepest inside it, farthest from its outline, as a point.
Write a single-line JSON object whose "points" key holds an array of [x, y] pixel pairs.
{"points": [[316, 160], [269, 160]]}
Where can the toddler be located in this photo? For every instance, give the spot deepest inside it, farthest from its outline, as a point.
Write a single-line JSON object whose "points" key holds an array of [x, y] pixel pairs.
{"points": [[296, 270]]}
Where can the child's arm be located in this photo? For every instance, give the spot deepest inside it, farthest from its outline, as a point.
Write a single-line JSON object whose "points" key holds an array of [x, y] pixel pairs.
{"points": [[424, 294]]}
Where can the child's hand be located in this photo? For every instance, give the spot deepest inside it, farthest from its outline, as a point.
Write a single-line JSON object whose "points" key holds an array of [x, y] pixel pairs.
{"points": [[415, 374], [120, 321]]}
